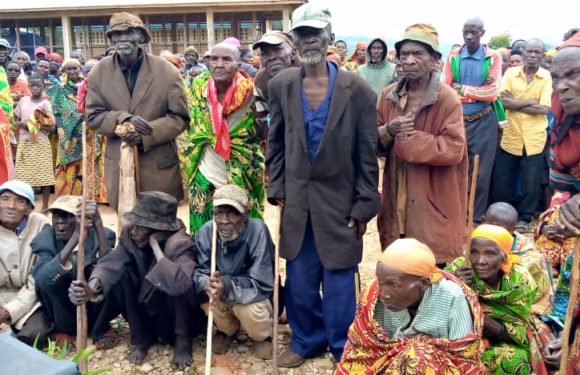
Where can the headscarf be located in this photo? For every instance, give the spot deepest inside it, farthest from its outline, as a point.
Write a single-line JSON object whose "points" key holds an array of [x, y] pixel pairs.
{"points": [[56, 56], [574, 41], [174, 60], [413, 258], [332, 55], [502, 238], [233, 42], [359, 45]]}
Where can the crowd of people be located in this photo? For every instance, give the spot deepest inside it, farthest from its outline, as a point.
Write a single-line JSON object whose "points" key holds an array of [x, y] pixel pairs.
{"points": [[298, 122]]}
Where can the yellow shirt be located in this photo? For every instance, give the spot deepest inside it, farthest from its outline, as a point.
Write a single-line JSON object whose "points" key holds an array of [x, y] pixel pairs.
{"points": [[525, 130]]}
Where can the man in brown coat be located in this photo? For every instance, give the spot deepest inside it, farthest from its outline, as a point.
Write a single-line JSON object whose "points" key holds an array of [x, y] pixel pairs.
{"points": [[148, 277], [422, 136], [146, 91]]}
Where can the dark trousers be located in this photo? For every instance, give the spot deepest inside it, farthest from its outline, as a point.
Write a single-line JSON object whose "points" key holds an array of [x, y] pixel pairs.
{"points": [[482, 140], [508, 168], [62, 313], [161, 316], [36, 329], [319, 322]]}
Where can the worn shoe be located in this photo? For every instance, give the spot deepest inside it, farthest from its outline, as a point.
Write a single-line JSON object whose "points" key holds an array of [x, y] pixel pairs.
{"points": [[221, 343], [289, 359], [263, 349]]}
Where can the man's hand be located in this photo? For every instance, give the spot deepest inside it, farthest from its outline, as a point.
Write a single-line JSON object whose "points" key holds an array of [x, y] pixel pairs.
{"points": [[465, 273], [216, 287], [4, 315], [491, 327], [401, 124], [506, 95], [361, 227], [154, 241], [141, 125], [80, 292], [569, 218], [553, 353], [280, 202], [92, 214], [133, 138], [457, 87]]}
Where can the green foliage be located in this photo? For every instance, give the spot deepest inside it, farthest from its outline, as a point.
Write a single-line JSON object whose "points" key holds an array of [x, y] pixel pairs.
{"points": [[501, 40], [60, 353]]}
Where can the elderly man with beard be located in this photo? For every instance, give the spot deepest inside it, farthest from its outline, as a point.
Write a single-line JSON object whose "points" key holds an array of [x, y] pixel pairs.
{"points": [[323, 171], [135, 87], [148, 277], [241, 288]]}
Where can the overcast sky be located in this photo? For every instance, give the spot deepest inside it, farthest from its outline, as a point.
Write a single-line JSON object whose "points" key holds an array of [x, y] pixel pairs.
{"points": [[523, 20]]}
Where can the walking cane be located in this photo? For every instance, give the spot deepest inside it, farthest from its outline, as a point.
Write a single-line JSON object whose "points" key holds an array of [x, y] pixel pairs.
{"points": [[472, 190], [82, 309], [574, 282], [137, 170], [210, 310], [276, 293]]}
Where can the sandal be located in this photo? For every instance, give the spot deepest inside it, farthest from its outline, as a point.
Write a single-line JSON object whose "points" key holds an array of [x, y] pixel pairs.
{"points": [[61, 338], [108, 344], [522, 227]]}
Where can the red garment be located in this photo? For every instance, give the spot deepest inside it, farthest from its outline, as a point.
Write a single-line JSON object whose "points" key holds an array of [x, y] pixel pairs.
{"points": [[6, 162], [82, 95], [20, 88]]}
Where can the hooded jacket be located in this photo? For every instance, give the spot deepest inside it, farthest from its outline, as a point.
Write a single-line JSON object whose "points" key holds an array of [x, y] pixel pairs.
{"points": [[378, 75]]}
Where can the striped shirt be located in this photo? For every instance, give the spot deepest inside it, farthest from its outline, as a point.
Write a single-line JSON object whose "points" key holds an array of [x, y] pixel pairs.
{"points": [[442, 313]]}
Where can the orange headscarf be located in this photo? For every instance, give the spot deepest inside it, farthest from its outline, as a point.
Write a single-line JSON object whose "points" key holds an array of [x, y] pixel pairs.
{"points": [[502, 238], [359, 45], [574, 41], [413, 258]]}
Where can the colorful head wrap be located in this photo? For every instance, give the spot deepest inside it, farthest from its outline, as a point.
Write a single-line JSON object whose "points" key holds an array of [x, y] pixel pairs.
{"points": [[359, 45], [502, 238], [574, 41], [413, 258], [55, 56]]}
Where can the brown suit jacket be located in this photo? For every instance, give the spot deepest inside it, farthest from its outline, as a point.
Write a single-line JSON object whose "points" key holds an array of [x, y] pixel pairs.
{"points": [[340, 183], [158, 97]]}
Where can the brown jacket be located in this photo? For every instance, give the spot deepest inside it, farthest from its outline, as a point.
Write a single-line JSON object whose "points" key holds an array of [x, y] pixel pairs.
{"points": [[436, 167], [340, 183], [159, 98]]}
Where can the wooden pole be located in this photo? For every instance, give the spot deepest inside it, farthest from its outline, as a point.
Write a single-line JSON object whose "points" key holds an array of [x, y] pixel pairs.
{"points": [[137, 170], [82, 309], [574, 285], [209, 332], [276, 293], [472, 191]]}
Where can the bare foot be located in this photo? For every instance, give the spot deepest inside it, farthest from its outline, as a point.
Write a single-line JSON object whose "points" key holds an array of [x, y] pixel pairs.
{"points": [[182, 357], [137, 355]]}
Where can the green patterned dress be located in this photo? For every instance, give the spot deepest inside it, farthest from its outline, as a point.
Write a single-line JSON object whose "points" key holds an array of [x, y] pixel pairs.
{"points": [[245, 167], [511, 304]]}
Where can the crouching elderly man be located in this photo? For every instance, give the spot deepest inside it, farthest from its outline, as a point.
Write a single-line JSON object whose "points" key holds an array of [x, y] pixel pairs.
{"points": [[240, 289], [148, 276], [414, 318], [19, 306], [56, 248]]}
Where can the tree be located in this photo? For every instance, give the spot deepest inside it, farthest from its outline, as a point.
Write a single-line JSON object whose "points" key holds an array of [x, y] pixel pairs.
{"points": [[501, 40]]}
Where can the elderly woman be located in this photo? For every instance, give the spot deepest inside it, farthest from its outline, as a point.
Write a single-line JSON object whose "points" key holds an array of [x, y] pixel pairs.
{"points": [[414, 318], [69, 128], [23, 60], [223, 147], [514, 337]]}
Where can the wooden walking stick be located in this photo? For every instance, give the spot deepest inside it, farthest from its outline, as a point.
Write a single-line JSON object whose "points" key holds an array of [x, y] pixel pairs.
{"points": [[82, 309], [137, 170], [276, 293], [472, 190], [574, 285], [210, 309]]}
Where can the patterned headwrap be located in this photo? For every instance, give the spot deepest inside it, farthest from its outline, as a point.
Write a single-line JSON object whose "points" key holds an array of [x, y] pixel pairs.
{"points": [[413, 258], [502, 238]]}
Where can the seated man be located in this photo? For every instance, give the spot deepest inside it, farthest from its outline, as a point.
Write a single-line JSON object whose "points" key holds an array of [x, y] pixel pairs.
{"points": [[148, 276], [505, 215], [19, 306], [514, 337], [56, 249], [240, 289], [414, 318]]}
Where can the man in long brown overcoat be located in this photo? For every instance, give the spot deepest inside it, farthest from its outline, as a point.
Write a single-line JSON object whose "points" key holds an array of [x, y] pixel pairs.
{"points": [[146, 91]]}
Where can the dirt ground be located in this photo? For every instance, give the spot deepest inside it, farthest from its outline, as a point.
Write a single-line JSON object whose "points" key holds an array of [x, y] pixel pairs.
{"points": [[239, 359]]}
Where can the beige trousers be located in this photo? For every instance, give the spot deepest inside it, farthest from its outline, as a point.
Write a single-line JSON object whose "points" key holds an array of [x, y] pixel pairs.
{"points": [[255, 318]]}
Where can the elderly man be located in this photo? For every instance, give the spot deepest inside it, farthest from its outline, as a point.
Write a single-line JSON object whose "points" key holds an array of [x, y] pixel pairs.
{"points": [[191, 57], [56, 248], [421, 134], [400, 326], [323, 171], [18, 227], [4, 52], [148, 277], [526, 92], [135, 87], [277, 52], [474, 71], [378, 72], [240, 289]]}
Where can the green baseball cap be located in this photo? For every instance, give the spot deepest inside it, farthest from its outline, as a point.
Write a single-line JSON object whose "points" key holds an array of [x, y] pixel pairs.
{"points": [[311, 15]]}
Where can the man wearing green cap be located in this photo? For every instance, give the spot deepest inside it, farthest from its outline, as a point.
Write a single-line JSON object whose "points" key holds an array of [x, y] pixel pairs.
{"points": [[191, 57], [421, 131], [323, 171]]}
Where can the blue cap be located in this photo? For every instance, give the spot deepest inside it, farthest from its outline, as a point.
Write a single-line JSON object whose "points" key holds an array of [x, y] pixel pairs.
{"points": [[19, 188]]}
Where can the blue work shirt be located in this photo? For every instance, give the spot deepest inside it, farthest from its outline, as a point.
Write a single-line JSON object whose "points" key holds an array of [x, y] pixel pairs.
{"points": [[470, 73], [315, 120]]}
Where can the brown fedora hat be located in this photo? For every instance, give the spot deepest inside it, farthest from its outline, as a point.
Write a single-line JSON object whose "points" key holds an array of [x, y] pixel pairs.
{"points": [[124, 21], [155, 210]]}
